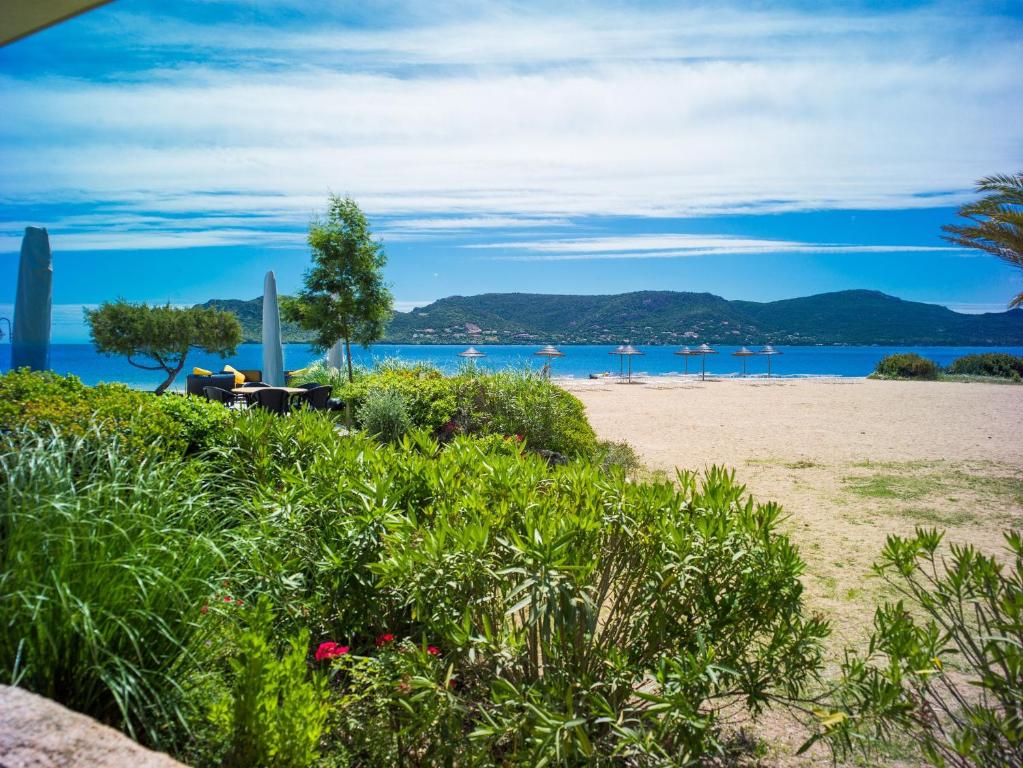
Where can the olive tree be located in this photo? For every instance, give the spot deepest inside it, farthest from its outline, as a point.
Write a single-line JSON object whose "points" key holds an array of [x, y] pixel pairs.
{"points": [[161, 335], [345, 297]]}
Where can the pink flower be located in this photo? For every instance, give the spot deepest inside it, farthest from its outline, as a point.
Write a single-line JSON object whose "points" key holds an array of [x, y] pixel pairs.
{"points": [[433, 650], [383, 640], [330, 650]]}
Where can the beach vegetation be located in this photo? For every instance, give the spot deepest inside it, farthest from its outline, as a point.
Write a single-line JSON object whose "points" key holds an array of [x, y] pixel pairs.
{"points": [[474, 402], [944, 666], [460, 602], [906, 365], [344, 297], [994, 364], [995, 222], [158, 338], [384, 415], [142, 423]]}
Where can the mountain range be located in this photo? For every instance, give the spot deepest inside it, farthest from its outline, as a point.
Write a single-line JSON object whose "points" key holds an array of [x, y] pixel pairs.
{"points": [[670, 317]]}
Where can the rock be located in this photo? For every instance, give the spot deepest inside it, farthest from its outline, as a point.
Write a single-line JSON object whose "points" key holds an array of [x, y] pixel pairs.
{"points": [[39, 733]]}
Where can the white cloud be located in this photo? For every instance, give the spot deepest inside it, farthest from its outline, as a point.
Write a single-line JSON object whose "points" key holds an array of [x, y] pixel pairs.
{"points": [[673, 246], [531, 115]]}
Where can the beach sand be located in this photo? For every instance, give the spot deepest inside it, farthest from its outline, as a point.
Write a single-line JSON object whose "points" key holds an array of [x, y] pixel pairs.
{"points": [[850, 460]]}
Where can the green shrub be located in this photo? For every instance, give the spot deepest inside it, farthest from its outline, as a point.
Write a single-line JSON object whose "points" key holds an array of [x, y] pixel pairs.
{"points": [[906, 366], [144, 423], [995, 364], [384, 415], [275, 714], [203, 424], [474, 402], [34, 400], [524, 404], [612, 455], [945, 663], [105, 562], [581, 617]]}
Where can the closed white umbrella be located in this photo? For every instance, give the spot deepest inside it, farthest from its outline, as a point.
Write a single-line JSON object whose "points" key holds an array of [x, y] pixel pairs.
{"points": [[273, 352], [334, 356], [30, 336]]}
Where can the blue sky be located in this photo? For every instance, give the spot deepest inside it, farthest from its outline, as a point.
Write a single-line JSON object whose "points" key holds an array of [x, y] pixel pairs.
{"points": [[176, 151]]}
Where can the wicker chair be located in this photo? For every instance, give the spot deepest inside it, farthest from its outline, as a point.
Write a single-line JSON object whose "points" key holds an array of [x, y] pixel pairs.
{"points": [[273, 400], [316, 397], [216, 394]]}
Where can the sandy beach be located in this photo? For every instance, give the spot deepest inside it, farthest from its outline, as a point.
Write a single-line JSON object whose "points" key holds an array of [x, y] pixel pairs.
{"points": [[851, 460]]}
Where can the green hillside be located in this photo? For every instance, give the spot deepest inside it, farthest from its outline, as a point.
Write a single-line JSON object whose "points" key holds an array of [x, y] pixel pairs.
{"points": [[667, 317]]}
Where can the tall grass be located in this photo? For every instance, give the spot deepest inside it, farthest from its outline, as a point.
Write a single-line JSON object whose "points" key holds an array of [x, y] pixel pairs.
{"points": [[105, 563]]}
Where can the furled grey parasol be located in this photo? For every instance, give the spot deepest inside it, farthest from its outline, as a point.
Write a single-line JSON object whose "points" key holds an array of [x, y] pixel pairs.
{"points": [[30, 336], [273, 352]]}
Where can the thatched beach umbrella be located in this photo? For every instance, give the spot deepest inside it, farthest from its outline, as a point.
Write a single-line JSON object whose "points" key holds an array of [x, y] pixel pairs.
{"points": [[30, 336], [273, 352], [472, 355], [703, 350], [628, 351], [769, 351], [743, 353], [686, 353], [550, 352]]}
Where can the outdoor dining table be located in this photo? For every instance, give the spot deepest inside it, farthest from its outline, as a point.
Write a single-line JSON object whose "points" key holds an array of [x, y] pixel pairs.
{"points": [[248, 390], [248, 393]]}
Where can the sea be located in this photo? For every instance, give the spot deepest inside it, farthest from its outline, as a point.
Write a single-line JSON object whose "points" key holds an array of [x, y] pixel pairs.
{"points": [[579, 361]]}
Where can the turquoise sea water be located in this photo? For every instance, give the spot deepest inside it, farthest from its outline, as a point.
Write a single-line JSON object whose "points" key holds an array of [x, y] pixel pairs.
{"points": [[579, 361]]}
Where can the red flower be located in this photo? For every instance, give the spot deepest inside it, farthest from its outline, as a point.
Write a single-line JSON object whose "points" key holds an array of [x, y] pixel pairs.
{"points": [[519, 438], [204, 609], [330, 650], [227, 599], [384, 639], [433, 650], [239, 602]]}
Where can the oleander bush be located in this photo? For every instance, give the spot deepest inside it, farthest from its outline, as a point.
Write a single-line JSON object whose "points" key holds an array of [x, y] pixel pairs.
{"points": [[461, 601], [142, 422], [473, 402], [908, 365], [47, 401], [944, 666], [996, 364]]}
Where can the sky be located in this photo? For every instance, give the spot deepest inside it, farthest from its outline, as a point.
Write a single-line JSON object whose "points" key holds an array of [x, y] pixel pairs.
{"points": [[756, 150]]}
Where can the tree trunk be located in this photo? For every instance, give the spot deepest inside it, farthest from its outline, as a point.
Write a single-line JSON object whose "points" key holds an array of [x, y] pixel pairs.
{"points": [[172, 374], [348, 356]]}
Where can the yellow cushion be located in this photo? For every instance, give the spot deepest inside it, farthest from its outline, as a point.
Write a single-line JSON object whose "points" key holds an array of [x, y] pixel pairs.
{"points": [[201, 372], [239, 378]]}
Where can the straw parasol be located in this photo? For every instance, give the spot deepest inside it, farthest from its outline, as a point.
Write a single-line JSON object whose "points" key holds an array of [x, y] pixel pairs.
{"points": [[627, 350], [550, 352], [472, 354], [769, 351], [743, 353], [703, 350], [686, 352]]}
